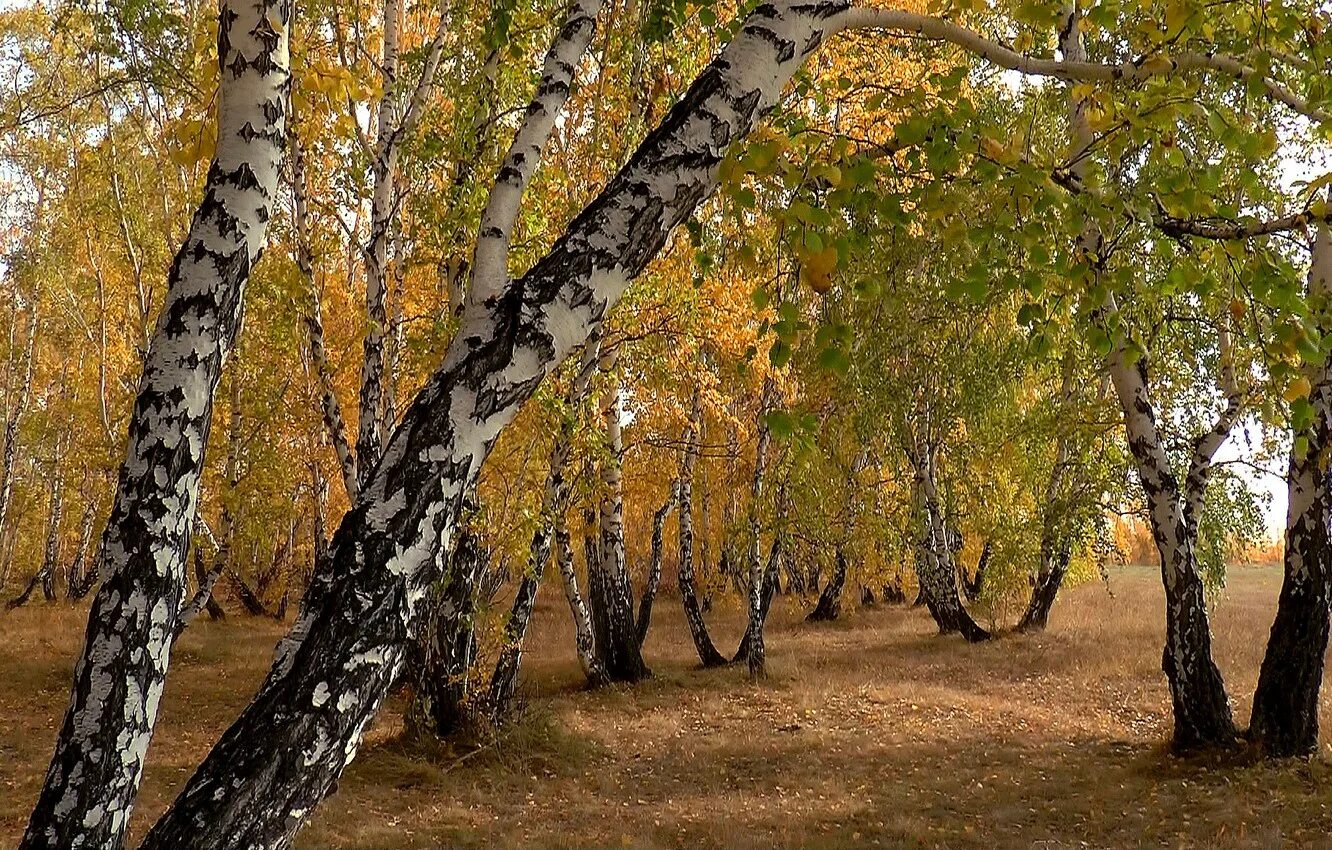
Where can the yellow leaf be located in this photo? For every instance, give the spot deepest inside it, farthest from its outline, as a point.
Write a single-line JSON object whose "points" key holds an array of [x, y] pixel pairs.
{"points": [[1298, 389]]}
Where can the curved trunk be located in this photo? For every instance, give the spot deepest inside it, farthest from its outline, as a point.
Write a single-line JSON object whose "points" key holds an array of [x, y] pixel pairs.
{"points": [[1054, 566], [654, 569], [1198, 694], [698, 629], [94, 776], [1055, 549], [829, 606], [934, 561], [973, 586], [1285, 703], [771, 577], [584, 638]]}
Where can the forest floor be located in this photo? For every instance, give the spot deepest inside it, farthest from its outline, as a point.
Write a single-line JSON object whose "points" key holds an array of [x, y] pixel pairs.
{"points": [[871, 732]]}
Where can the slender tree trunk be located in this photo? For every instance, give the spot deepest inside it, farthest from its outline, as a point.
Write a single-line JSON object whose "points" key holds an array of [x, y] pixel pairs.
{"points": [[203, 595], [654, 569], [286, 751], [555, 501], [698, 629], [80, 568], [829, 606], [608, 578], [760, 584], [329, 406], [973, 586], [94, 776], [584, 640], [1285, 705], [1055, 549], [384, 167], [9, 451], [771, 577], [51, 552]]}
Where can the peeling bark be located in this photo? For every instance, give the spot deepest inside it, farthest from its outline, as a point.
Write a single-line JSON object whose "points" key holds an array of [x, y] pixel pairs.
{"points": [[94, 776]]}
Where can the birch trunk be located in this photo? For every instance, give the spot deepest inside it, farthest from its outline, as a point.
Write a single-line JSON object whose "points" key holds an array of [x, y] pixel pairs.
{"points": [[654, 568], [1285, 705], [1201, 707], [383, 197], [829, 606], [1055, 550], [611, 594], [698, 629], [285, 752], [9, 452], [757, 586], [100, 751], [554, 503], [936, 569]]}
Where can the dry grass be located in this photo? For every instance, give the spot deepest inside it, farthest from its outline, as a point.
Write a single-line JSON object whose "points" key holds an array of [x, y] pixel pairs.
{"points": [[871, 732]]}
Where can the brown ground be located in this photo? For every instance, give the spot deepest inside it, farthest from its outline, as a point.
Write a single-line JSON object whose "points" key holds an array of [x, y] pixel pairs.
{"points": [[871, 732]]}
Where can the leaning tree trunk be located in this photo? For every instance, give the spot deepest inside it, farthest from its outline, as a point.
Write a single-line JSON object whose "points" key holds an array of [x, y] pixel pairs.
{"points": [[1201, 708], [1054, 566], [698, 629], [288, 748], [1055, 548], [1285, 705], [79, 569], [973, 586], [1198, 693], [94, 775], [829, 606], [584, 640]]}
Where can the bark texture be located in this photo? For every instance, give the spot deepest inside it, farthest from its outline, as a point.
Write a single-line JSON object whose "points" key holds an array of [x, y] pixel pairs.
{"points": [[94, 775], [1284, 721], [284, 753]]}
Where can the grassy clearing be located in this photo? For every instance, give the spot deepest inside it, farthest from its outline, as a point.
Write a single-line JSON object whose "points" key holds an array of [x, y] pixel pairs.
{"points": [[871, 732]]}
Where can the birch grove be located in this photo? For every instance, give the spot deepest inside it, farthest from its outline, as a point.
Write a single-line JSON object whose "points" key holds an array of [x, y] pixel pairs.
{"points": [[961, 337]]}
